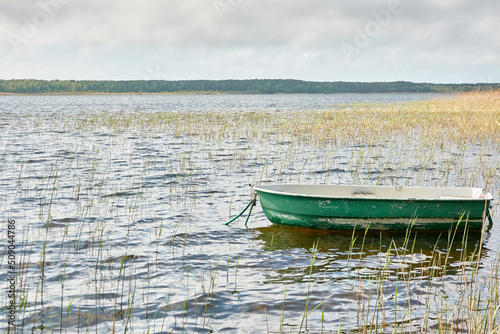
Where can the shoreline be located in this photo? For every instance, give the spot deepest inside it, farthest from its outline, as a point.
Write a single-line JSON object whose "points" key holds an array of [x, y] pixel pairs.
{"points": [[216, 93], [130, 93]]}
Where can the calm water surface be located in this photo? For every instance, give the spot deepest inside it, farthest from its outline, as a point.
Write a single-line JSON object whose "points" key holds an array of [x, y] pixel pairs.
{"points": [[160, 103], [124, 230]]}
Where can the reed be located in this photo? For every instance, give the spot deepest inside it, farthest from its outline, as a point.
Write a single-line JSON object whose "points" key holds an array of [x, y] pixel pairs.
{"points": [[466, 118], [129, 204], [473, 311]]}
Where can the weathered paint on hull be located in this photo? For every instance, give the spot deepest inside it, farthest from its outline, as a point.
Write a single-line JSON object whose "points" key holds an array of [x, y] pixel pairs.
{"points": [[340, 213], [379, 224]]}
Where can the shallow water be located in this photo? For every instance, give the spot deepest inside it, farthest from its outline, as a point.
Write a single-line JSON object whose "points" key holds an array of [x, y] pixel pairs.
{"points": [[159, 103], [124, 230]]}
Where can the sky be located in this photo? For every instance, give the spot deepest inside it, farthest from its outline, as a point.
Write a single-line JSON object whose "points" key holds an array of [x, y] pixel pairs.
{"points": [[438, 41]]}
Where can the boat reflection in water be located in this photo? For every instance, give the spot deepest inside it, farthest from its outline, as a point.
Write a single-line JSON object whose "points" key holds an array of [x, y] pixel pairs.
{"points": [[367, 253], [389, 280]]}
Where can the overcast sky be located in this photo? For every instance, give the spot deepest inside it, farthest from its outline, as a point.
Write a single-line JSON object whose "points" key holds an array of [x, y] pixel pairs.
{"points": [[441, 41]]}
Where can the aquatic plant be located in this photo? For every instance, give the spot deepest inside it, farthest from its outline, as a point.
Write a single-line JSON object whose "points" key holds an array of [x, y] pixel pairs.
{"points": [[120, 220]]}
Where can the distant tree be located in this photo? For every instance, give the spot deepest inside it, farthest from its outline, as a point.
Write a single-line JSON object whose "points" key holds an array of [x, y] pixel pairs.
{"points": [[263, 86]]}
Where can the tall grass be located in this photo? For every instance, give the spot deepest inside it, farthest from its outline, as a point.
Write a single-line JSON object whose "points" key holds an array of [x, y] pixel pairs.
{"points": [[465, 119], [407, 289], [113, 201]]}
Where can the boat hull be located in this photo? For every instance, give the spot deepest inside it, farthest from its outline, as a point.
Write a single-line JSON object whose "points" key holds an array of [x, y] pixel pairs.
{"points": [[377, 208]]}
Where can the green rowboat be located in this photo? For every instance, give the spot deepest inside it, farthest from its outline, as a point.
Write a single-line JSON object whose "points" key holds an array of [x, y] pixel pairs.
{"points": [[330, 207]]}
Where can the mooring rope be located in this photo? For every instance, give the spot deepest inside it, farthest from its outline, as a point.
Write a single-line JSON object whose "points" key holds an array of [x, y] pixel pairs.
{"points": [[250, 205], [490, 218]]}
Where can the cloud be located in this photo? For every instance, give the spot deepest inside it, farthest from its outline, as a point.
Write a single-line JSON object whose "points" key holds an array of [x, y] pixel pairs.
{"points": [[241, 38]]}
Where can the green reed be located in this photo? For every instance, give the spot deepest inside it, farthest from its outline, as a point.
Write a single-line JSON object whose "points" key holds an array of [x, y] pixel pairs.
{"points": [[450, 142], [474, 312]]}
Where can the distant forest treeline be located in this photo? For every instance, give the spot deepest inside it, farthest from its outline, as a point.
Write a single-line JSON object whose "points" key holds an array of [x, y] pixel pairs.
{"points": [[256, 86]]}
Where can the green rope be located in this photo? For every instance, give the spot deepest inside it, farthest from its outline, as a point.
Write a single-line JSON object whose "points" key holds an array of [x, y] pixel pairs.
{"points": [[250, 212], [490, 219], [242, 212]]}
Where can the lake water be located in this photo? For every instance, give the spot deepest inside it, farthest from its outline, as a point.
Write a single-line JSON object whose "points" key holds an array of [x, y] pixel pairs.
{"points": [[160, 103], [123, 230]]}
